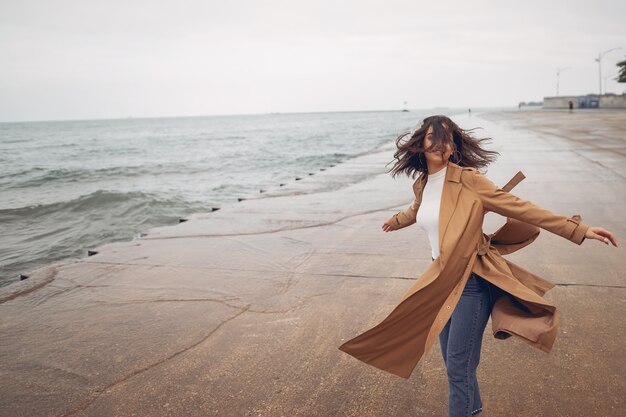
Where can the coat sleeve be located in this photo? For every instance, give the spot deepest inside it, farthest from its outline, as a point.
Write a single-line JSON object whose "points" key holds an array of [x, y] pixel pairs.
{"points": [[404, 218], [506, 204]]}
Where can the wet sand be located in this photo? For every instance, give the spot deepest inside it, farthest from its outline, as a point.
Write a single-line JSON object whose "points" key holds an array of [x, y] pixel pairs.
{"points": [[240, 312]]}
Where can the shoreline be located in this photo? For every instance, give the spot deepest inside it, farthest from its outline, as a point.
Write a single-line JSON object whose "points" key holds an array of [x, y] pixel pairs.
{"points": [[58, 213], [242, 310]]}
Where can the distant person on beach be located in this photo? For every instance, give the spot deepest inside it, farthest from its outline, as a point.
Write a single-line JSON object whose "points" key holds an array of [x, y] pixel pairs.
{"points": [[469, 112], [468, 280], [571, 106]]}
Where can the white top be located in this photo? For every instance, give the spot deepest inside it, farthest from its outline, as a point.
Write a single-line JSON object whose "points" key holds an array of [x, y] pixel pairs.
{"points": [[428, 214]]}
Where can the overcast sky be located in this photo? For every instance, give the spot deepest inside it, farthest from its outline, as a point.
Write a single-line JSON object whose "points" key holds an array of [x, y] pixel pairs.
{"points": [[110, 59]]}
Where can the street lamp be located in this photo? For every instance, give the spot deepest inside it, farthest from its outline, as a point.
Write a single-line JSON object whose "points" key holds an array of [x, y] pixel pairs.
{"points": [[558, 74], [599, 61]]}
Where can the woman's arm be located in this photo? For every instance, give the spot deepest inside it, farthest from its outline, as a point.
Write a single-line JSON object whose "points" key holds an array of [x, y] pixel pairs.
{"points": [[402, 218], [499, 201]]}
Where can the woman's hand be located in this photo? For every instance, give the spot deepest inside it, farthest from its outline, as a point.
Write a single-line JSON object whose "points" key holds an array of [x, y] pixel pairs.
{"points": [[387, 227], [601, 235]]}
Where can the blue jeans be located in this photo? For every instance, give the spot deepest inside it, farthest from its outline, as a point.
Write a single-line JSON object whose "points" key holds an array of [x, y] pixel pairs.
{"points": [[461, 340]]}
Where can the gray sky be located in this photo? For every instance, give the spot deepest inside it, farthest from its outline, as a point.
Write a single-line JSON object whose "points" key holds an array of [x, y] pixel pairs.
{"points": [[109, 59]]}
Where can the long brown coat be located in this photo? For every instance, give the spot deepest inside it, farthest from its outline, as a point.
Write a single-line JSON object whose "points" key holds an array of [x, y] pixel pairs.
{"points": [[398, 342]]}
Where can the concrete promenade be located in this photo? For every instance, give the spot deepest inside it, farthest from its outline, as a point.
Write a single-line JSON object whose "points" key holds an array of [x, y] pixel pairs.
{"points": [[240, 312]]}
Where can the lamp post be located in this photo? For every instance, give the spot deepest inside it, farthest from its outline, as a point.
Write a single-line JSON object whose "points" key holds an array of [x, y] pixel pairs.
{"points": [[599, 61], [558, 74]]}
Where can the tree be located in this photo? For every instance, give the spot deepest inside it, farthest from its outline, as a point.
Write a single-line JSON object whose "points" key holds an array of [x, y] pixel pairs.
{"points": [[621, 77]]}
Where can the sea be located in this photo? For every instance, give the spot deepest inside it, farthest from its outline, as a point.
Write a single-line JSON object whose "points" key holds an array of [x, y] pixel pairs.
{"points": [[67, 186]]}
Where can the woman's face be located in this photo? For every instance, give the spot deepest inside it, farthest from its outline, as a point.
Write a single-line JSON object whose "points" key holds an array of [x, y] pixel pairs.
{"points": [[436, 157]]}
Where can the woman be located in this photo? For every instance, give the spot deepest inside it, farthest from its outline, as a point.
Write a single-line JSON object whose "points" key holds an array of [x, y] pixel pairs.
{"points": [[468, 280]]}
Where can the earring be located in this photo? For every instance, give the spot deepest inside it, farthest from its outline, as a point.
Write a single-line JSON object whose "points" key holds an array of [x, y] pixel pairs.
{"points": [[458, 159]]}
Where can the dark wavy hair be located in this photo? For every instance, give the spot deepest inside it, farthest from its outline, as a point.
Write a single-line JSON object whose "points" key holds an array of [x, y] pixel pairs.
{"points": [[466, 149]]}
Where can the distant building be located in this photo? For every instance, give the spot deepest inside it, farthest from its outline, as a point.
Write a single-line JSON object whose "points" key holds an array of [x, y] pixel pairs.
{"points": [[530, 104], [589, 101]]}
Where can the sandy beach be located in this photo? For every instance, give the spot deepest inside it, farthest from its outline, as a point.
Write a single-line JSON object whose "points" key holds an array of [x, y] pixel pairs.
{"points": [[240, 312]]}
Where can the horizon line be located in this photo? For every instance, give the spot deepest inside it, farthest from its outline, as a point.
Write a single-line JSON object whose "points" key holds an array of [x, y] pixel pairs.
{"points": [[130, 117]]}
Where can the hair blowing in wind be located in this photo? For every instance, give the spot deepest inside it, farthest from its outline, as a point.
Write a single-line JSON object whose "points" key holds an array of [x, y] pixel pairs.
{"points": [[467, 151]]}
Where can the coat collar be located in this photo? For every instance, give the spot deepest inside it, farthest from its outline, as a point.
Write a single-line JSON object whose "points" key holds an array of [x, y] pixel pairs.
{"points": [[449, 197], [453, 174]]}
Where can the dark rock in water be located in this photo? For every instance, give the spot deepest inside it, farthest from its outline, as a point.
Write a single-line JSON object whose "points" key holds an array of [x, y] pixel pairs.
{"points": [[240, 199], [182, 220], [298, 178], [261, 191], [215, 208], [311, 173], [332, 165], [22, 277], [322, 169], [281, 185], [91, 252]]}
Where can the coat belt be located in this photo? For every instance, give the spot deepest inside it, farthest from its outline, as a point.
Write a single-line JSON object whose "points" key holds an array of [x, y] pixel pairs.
{"points": [[483, 247]]}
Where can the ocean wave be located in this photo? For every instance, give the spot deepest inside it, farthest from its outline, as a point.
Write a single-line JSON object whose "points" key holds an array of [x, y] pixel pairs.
{"points": [[65, 230], [324, 159], [21, 173], [43, 176], [103, 200]]}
